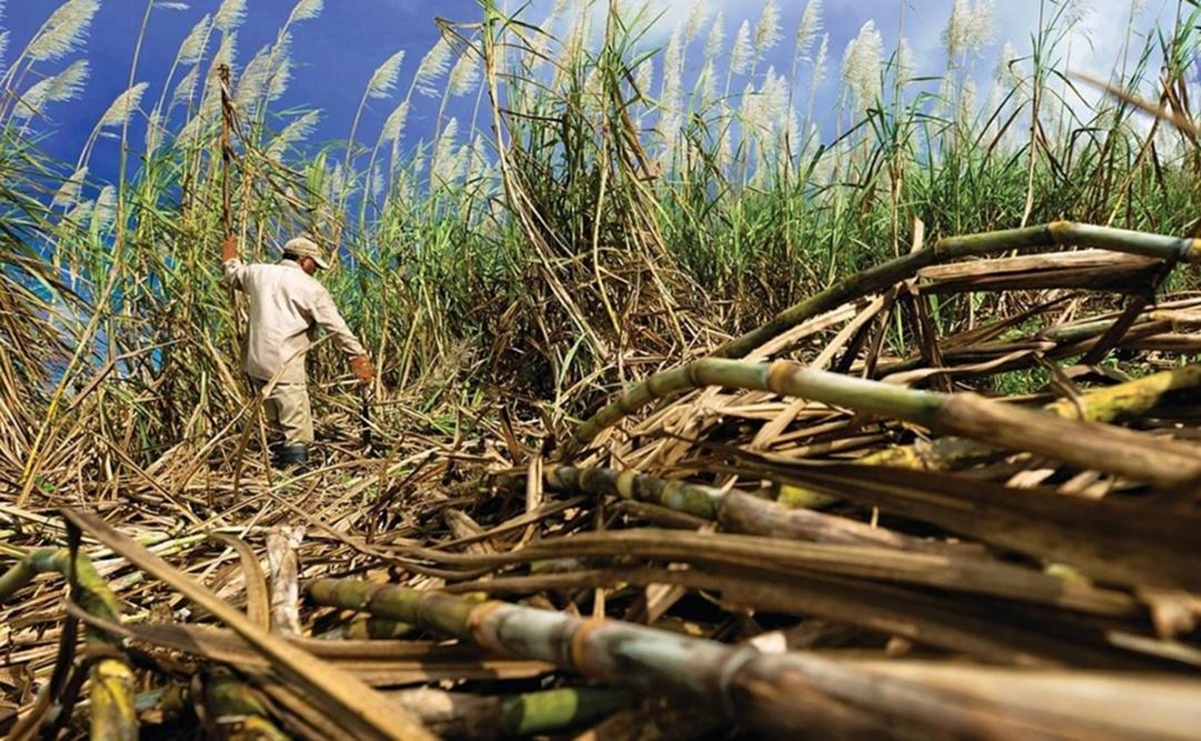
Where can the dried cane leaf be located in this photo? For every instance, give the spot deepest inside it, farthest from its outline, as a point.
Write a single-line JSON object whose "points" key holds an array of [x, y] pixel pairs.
{"points": [[258, 607]]}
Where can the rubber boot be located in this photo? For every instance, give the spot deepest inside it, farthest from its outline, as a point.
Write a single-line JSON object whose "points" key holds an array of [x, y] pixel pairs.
{"points": [[294, 457]]}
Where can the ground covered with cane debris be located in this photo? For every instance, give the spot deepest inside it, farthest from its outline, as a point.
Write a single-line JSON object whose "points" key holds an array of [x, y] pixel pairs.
{"points": [[792, 545], [688, 423]]}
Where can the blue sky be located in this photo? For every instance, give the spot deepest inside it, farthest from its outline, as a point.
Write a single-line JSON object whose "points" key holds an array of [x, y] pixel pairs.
{"points": [[336, 54]]}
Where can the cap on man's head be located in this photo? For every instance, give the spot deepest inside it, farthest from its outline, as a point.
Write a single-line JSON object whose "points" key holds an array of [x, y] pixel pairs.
{"points": [[305, 247]]}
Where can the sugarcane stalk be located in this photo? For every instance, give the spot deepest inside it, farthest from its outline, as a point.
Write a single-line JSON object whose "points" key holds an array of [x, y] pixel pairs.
{"points": [[1083, 443], [459, 714], [1028, 239], [114, 715], [369, 627], [783, 557], [227, 218], [734, 510], [1109, 404], [1130, 399], [946, 571], [695, 499], [236, 710], [792, 693], [1086, 330], [660, 516], [114, 711], [555, 710]]}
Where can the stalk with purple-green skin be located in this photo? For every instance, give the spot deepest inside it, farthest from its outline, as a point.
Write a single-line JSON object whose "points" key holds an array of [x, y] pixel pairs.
{"points": [[1028, 239], [1089, 445], [114, 713], [792, 693]]}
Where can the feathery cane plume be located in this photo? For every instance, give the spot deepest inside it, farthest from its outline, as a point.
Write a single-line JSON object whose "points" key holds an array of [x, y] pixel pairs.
{"points": [[717, 36], [383, 80], [186, 89], [767, 30], [861, 65], [63, 32], [671, 94], [740, 55], [644, 76], [394, 125], [696, 19], [433, 65], [106, 208], [295, 132], [446, 160], [154, 131], [230, 15], [122, 107], [464, 75], [192, 48], [68, 192], [60, 88], [306, 10], [905, 64], [809, 27]]}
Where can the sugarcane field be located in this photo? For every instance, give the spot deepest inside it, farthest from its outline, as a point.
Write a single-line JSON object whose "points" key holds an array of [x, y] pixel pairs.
{"points": [[600, 369]]}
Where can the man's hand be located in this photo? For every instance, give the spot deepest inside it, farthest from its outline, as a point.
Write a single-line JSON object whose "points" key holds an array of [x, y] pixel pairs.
{"points": [[229, 249], [363, 369]]}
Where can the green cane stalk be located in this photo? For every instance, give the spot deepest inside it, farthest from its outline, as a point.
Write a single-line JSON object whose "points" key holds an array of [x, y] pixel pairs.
{"points": [[1082, 443], [1029, 239], [114, 714], [782, 694]]}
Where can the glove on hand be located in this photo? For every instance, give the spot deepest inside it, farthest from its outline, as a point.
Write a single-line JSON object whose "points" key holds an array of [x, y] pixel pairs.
{"points": [[229, 249], [363, 369]]}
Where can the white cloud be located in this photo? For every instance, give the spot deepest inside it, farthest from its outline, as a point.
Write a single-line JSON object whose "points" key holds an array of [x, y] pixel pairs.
{"points": [[1095, 44]]}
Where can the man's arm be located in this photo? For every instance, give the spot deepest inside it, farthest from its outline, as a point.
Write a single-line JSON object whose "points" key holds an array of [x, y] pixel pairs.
{"points": [[326, 315], [232, 268]]}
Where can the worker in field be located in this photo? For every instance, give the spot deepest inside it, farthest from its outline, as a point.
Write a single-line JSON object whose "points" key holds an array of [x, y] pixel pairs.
{"points": [[286, 305]]}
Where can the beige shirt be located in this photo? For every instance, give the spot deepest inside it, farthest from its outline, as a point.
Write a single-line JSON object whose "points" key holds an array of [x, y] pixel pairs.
{"points": [[285, 303]]}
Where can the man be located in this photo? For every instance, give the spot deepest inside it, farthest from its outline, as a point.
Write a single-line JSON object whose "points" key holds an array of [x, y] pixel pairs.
{"points": [[286, 304]]}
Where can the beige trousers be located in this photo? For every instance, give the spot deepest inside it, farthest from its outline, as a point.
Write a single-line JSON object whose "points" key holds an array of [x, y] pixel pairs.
{"points": [[288, 411]]}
